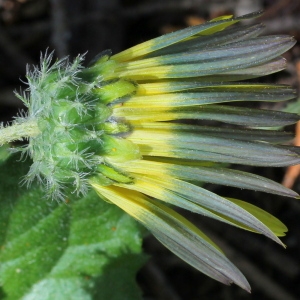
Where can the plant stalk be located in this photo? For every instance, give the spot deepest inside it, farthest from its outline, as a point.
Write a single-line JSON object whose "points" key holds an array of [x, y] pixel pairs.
{"points": [[17, 132]]}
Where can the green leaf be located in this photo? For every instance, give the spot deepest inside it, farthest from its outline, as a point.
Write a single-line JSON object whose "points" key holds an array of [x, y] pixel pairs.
{"points": [[85, 249], [4, 153]]}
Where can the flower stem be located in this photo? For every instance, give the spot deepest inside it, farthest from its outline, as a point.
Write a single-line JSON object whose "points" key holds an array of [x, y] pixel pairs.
{"points": [[17, 132]]}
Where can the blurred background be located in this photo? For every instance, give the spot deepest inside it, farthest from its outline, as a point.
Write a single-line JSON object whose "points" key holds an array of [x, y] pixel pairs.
{"points": [[30, 27]]}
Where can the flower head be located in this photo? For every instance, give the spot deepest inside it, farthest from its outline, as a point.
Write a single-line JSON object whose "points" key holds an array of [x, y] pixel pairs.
{"points": [[119, 125]]}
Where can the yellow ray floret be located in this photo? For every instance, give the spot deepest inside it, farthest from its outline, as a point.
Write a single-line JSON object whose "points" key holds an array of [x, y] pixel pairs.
{"points": [[175, 232]]}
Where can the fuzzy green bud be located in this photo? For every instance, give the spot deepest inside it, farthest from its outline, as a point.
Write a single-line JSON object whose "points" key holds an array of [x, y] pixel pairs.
{"points": [[73, 134]]}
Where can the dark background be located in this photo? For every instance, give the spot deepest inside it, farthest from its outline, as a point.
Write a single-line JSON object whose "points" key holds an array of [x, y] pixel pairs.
{"points": [[29, 27]]}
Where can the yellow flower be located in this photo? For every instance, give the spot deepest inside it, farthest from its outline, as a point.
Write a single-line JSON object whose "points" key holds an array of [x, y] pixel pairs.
{"points": [[120, 126]]}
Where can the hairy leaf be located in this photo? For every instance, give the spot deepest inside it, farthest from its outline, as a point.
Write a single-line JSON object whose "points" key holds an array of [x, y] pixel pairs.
{"points": [[84, 249]]}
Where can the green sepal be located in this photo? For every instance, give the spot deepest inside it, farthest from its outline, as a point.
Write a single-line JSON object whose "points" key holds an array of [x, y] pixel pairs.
{"points": [[67, 90], [100, 58], [119, 149], [101, 179], [98, 71], [90, 146], [103, 112], [114, 90], [98, 66], [113, 174], [114, 127]]}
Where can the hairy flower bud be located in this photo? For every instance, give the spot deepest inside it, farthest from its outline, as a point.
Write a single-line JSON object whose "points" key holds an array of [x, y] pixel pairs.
{"points": [[76, 128]]}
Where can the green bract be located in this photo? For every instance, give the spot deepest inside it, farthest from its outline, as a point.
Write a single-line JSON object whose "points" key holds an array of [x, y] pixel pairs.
{"points": [[74, 120]]}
